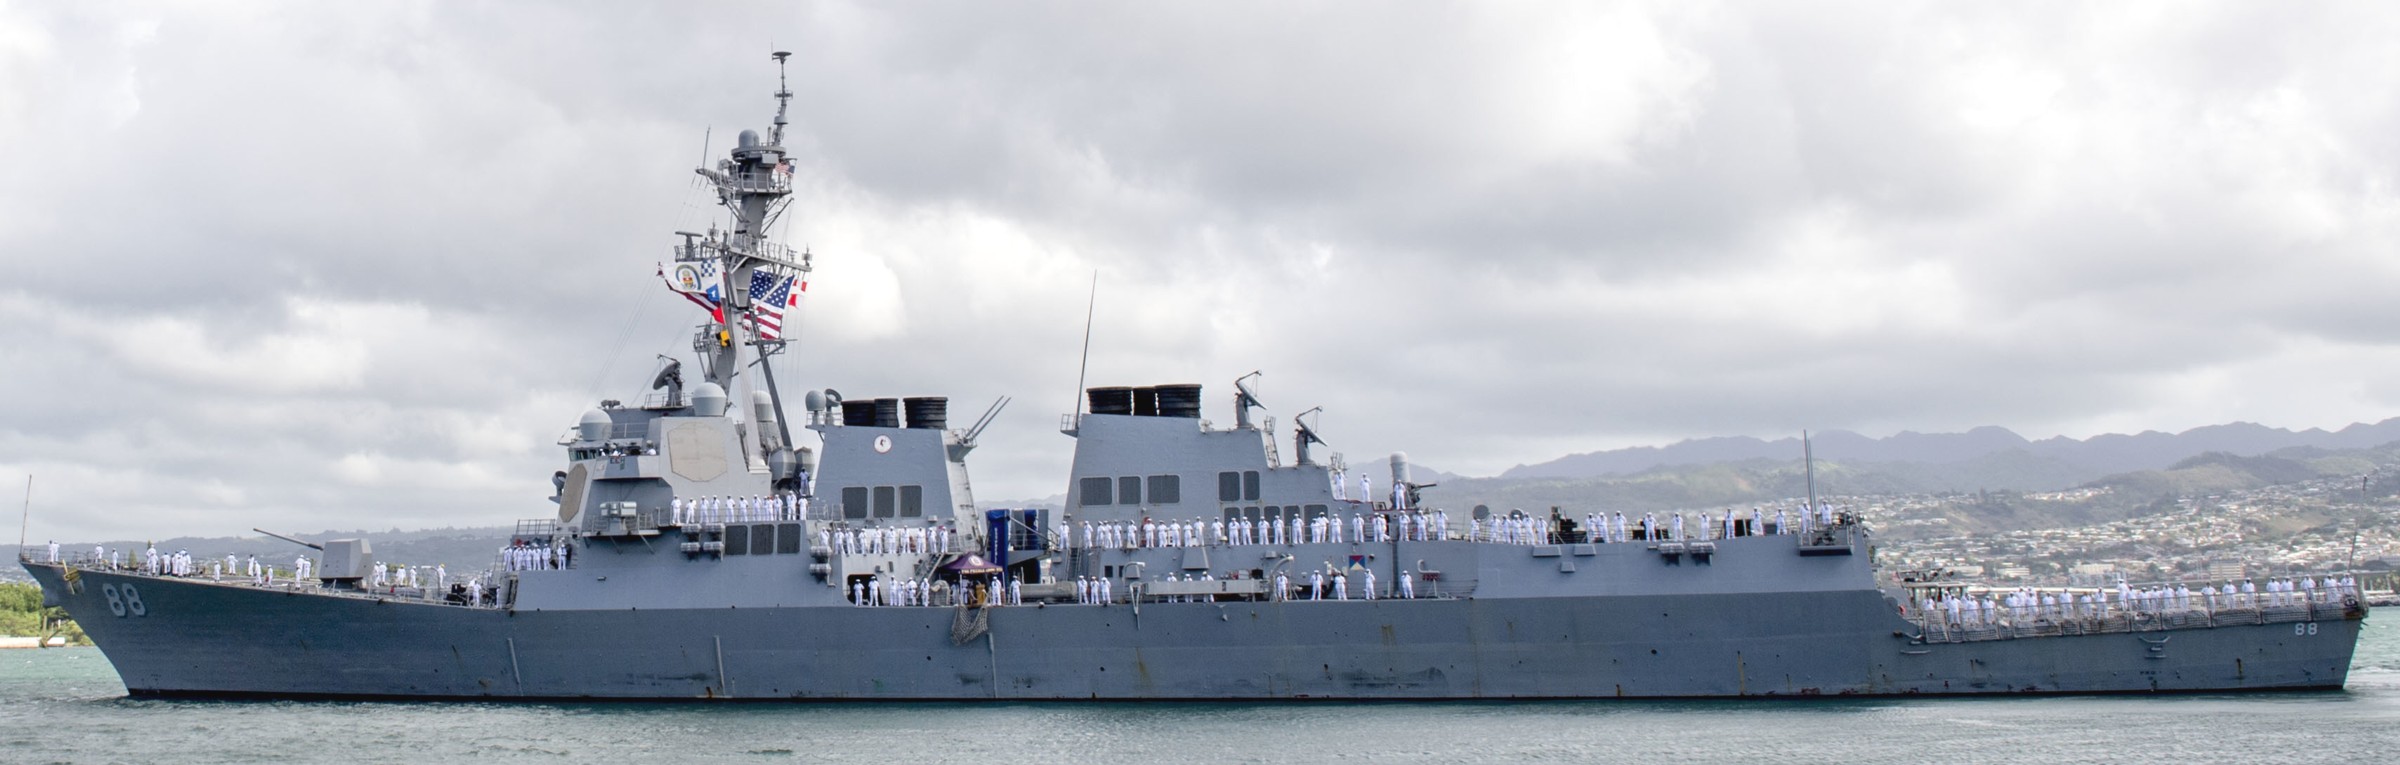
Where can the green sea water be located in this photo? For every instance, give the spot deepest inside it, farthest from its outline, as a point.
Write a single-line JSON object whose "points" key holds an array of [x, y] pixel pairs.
{"points": [[66, 706]]}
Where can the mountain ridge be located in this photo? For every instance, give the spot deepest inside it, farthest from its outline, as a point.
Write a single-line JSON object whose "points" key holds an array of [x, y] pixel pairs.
{"points": [[2099, 455]]}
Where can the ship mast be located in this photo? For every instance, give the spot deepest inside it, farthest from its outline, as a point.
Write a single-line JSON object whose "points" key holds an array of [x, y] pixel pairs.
{"points": [[755, 184]]}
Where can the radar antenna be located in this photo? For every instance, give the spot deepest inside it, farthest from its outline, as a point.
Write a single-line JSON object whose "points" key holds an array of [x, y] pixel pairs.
{"points": [[1244, 399], [670, 378], [1303, 434]]}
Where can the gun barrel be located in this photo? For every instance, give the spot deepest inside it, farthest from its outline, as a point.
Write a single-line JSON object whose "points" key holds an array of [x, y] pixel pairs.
{"points": [[309, 545]]}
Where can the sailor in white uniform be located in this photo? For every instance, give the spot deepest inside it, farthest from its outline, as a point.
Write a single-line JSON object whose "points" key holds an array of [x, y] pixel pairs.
{"points": [[1408, 586], [1283, 586], [1341, 587], [1369, 575], [54, 551]]}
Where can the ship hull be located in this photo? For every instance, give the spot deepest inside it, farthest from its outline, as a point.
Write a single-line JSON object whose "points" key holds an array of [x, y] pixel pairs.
{"points": [[195, 638]]}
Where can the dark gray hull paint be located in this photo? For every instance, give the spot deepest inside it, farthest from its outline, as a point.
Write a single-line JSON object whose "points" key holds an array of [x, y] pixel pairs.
{"points": [[202, 639]]}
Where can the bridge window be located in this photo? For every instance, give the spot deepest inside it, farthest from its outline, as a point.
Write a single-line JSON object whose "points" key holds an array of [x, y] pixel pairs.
{"points": [[1229, 486], [912, 501], [1250, 485], [886, 499], [1096, 491], [1129, 490], [854, 502], [1166, 489]]}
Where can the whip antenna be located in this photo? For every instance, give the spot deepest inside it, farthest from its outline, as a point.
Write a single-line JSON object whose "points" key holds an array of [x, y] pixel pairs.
{"points": [[1086, 363]]}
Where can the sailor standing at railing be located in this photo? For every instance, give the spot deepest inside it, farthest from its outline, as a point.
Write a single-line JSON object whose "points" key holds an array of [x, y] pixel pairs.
{"points": [[54, 551]]}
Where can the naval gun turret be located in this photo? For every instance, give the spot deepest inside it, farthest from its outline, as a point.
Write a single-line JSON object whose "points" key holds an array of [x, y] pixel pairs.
{"points": [[344, 563]]}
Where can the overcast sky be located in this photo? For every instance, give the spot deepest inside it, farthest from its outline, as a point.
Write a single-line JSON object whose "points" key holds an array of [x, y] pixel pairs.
{"points": [[357, 265]]}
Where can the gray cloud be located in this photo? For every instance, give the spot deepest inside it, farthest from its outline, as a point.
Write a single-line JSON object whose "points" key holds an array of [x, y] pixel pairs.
{"points": [[355, 266]]}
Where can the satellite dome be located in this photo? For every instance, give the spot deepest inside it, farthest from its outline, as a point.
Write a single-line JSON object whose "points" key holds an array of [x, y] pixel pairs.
{"points": [[708, 400], [815, 401], [748, 139], [593, 426]]}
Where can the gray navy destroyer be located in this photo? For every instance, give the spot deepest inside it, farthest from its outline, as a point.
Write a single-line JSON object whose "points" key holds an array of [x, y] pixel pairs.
{"points": [[707, 546]]}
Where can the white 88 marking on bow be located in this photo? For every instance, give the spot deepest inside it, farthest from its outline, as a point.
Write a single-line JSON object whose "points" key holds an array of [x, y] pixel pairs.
{"points": [[2304, 628], [124, 600]]}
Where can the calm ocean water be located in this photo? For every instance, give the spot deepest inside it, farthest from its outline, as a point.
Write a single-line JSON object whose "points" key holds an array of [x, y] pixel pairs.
{"points": [[66, 706]]}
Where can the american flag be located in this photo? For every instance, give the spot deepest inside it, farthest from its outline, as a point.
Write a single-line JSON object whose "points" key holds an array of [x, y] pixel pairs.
{"points": [[696, 281], [770, 296]]}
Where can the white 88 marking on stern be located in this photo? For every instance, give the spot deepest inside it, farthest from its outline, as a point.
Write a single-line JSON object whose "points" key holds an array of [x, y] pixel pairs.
{"points": [[2304, 628], [124, 600]]}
